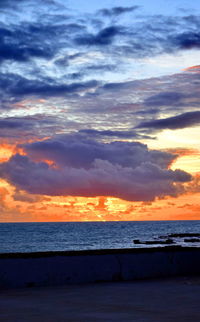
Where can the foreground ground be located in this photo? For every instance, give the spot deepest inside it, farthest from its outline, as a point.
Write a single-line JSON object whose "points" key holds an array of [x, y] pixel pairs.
{"points": [[161, 300]]}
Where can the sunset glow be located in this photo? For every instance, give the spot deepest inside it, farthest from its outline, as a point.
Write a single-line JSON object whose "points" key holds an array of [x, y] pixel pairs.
{"points": [[100, 116]]}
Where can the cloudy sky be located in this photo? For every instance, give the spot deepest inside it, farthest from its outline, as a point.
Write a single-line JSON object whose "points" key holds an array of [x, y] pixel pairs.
{"points": [[100, 113]]}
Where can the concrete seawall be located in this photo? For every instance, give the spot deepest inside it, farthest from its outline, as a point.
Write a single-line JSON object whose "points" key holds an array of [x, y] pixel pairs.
{"points": [[76, 267]]}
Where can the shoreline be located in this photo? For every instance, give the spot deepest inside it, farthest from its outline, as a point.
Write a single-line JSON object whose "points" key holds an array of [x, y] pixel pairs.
{"points": [[171, 248]]}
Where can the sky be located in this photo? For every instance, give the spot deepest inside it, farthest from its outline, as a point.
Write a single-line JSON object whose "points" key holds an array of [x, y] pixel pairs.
{"points": [[100, 113]]}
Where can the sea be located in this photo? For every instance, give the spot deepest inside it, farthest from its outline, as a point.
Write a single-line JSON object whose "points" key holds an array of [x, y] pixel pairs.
{"points": [[65, 236]]}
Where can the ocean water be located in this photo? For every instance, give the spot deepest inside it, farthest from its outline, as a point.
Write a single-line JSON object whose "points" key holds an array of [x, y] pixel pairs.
{"points": [[37, 237]]}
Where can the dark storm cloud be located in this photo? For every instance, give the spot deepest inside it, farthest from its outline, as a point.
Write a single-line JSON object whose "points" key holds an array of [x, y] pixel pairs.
{"points": [[116, 11], [187, 40], [20, 43], [43, 89], [76, 150], [164, 99], [10, 123], [89, 168], [103, 38], [176, 122], [110, 133], [27, 126], [18, 86], [22, 53], [23, 41]]}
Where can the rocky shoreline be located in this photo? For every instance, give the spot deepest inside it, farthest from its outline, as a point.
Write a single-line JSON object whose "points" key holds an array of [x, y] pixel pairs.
{"points": [[169, 239]]}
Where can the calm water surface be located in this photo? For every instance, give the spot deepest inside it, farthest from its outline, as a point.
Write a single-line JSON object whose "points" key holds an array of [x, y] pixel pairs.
{"points": [[34, 237]]}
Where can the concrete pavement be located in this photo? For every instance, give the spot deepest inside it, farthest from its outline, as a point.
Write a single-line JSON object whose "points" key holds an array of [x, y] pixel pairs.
{"points": [[162, 300]]}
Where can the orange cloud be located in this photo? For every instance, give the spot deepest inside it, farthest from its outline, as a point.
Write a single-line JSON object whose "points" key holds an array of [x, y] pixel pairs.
{"points": [[97, 209], [6, 151], [193, 69], [17, 206]]}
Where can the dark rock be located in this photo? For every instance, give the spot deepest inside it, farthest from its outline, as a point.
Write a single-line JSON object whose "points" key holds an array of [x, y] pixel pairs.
{"points": [[192, 240], [158, 242], [154, 242], [136, 241], [169, 241]]}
